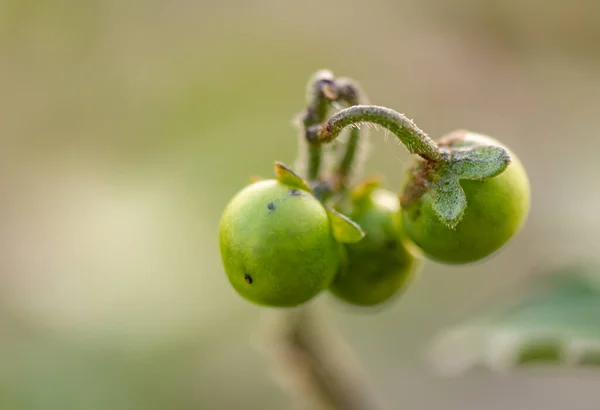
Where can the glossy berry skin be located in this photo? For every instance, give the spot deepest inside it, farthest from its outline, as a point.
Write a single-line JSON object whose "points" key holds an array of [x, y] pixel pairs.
{"points": [[496, 210], [277, 245], [379, 266]]}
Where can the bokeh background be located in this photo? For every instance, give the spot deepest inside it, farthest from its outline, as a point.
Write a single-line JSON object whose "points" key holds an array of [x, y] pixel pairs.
{"points": [[126, 126]]}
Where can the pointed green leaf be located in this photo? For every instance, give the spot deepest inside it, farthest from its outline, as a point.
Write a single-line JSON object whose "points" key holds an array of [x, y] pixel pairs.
{"points": [[286, 176], [448, 199], [480, 162], [344, 229], [557, 322]]}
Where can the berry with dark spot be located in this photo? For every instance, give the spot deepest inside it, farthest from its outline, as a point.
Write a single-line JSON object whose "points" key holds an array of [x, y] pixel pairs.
{"points": [[282, 257]]}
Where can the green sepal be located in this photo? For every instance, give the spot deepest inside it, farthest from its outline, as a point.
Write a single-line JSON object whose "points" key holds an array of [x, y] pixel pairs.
{"points": [[345, 230], [286, 176], [479, 162], [448, 199]]}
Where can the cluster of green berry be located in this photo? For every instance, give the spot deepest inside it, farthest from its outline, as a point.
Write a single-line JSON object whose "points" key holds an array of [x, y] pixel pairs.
{"points": [[285, 240]]}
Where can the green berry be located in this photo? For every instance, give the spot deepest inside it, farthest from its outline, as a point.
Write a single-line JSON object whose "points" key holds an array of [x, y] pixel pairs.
{"points": [[277, 244], [496, 210], [379, 266]]}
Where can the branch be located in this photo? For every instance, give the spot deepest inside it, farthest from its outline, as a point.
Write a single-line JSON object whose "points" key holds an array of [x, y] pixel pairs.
{"points": [[314, 365]]}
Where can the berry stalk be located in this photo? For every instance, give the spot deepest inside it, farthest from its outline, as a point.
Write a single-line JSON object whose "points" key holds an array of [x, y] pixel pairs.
{"points": [[349, 163], [320, 91], [415, 140]]}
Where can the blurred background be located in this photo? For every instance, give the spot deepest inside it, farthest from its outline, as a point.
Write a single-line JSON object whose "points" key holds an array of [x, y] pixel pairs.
{"points": [[126, 126]]}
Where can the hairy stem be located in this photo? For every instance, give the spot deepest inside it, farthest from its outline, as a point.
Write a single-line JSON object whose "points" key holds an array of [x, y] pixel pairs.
{"points": [[345, 167], [415, 140], [314, 365], [320, 92], [350, 92]]}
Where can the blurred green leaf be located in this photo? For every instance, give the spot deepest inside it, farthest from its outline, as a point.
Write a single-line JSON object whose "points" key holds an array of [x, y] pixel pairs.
{"points": [[557, 322]]}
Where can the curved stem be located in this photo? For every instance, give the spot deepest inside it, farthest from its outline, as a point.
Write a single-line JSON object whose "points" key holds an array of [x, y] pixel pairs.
{"points": [[415, 140], [350, 92], [346, 164], [319, 93]]}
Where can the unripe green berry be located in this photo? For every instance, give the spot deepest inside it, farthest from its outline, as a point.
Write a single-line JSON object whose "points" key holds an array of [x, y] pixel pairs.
{"points": [[277, 244], [496, 210], [379, 266]]}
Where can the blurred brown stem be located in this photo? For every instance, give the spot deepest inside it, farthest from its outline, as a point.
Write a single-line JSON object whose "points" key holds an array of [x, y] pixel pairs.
{"points": [[314, 365]]}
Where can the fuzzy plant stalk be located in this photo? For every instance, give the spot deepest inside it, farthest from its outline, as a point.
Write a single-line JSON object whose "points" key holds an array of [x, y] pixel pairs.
{"points": [[349, 164], [320, 92]]}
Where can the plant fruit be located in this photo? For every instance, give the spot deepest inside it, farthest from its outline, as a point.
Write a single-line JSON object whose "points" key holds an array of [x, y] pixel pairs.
{"points": [[496, 210], [277, 244], [379, 266]]}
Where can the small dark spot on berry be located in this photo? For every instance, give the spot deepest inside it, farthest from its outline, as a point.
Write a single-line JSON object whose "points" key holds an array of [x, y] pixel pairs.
{"points": [[271, 207], [248, 279], [296, 192]]}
